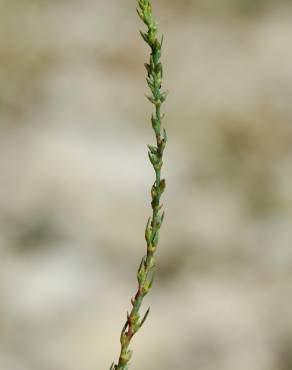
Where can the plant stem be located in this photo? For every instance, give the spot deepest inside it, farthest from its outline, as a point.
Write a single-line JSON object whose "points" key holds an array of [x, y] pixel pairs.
{"points": [[145, 274]]}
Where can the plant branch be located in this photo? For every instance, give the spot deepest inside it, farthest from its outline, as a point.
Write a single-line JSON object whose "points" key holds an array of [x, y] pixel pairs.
{"points": [[145, 274]]}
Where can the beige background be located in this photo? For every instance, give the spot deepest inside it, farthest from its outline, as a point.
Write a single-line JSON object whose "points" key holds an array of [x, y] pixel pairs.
{"points": [[75, 180]]}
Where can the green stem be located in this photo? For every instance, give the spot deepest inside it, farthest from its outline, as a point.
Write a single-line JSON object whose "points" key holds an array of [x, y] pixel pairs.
{"points": [[145, 274]]}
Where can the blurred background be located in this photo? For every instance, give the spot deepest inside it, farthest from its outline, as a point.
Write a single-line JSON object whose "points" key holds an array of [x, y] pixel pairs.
{"points": [[75, 181]]}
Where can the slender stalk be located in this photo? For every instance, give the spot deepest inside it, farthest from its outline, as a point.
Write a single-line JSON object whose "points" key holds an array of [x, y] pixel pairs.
{"points": [[145, 274]]}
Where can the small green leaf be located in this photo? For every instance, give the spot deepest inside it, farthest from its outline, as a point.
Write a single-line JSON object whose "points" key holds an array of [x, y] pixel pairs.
{"points": [[141, 274], [162, 186], [144, 36], [153, 149], [145, 317], [163, 96], [140, 14], [148, 231], [155, 239], [154, 191], [151, 99], [148, 69]]}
